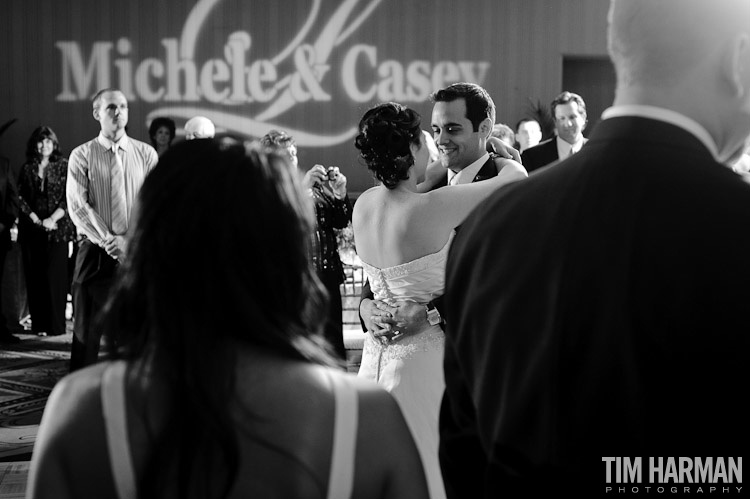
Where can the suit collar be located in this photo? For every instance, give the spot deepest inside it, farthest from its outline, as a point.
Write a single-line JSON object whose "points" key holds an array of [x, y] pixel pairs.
{"points": [[667, 116], [642, 131], [466, 176], [488, 170], [564, 148]]}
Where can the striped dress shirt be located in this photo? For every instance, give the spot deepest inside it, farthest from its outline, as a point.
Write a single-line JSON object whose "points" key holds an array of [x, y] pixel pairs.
{"points": [[88, 187]]}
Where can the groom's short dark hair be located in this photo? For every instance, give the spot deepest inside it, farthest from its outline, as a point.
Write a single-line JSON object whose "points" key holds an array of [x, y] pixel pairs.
{"points": [[479, 104]]}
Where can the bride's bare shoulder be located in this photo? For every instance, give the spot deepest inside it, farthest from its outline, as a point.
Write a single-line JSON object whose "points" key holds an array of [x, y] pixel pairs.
{"points": [[368, 194], [363, 203]]}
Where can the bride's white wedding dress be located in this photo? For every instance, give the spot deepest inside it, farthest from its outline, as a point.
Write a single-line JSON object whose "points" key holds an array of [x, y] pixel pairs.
{"points": [[411, 368]]}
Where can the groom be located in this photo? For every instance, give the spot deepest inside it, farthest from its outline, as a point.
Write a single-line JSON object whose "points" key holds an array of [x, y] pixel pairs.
{"points": [[458, 111]]}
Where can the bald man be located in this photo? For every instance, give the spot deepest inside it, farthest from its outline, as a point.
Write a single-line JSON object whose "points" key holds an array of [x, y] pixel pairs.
{"points": [[598, 310], [199, 127]]}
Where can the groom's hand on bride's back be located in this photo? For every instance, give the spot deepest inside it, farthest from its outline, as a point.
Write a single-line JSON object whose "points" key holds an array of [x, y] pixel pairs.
{"points": [[408, 316], [381, 319]]}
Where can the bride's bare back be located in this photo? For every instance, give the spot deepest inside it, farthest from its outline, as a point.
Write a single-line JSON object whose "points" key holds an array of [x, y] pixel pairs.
{"points": [[395, 226]]}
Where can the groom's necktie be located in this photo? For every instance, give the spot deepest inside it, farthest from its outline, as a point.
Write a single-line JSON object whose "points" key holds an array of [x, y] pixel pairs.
{"points": [[117, 193]]}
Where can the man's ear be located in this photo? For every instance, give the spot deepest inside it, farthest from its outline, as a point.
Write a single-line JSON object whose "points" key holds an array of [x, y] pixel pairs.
{"points": [[735, 65], [485, 127], [96, 113]]}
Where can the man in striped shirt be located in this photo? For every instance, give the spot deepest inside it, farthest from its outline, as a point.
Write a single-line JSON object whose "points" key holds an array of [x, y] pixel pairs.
{"points": [[104, 177]]}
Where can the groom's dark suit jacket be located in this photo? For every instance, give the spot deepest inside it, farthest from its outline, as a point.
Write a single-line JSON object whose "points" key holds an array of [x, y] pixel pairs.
{"points": [[598, 308], [488, 170]]}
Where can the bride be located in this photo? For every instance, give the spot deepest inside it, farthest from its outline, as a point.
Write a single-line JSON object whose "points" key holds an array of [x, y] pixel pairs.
{"points": [[402, 237]]}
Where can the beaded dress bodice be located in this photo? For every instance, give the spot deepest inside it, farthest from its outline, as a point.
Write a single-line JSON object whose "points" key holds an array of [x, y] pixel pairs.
{"points": [[419, 280]]}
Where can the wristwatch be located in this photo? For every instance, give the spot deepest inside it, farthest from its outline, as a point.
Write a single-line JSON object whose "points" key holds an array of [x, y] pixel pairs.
{"points": [[433, 316]]}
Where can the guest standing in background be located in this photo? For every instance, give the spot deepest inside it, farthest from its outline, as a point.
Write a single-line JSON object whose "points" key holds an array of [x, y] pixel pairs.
{"points": [[45, 230], [505, 133], [569, 111], [8, 213], [199, 127], [327, 186], [105, 175], [528, 133], [162, 131]]}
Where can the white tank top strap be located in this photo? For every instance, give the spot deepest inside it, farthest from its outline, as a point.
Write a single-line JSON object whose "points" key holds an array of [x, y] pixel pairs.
{"points": [[341, 480], [115, 423]]}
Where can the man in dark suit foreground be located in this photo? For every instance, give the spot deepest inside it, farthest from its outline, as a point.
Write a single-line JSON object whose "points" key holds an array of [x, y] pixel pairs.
{"points": [[599, 309]]}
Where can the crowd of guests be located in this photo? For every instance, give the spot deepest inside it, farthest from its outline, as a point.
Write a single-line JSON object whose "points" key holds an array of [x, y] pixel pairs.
{"points": [[36, 202], [525, 314]]}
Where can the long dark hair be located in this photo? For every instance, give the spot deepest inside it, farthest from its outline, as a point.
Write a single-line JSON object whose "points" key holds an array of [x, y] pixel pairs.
{"points": [[386, 133], [38, 135], [217, 257]]}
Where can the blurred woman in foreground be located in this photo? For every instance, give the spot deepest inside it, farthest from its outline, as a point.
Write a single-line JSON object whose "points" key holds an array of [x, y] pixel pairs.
{"points": [[225, 387]]}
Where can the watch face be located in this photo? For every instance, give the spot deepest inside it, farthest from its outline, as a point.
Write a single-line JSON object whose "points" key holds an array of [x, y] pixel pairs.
{"points": [[433, 317]]}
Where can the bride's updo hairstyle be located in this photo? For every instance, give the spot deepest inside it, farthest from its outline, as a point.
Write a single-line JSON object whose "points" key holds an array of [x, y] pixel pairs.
{"points": [[385, 133]]}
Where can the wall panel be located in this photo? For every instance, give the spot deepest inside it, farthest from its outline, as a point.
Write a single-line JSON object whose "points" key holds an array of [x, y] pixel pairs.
{"points": [[521, 43]]}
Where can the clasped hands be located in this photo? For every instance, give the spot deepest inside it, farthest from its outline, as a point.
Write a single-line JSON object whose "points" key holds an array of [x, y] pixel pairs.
{"points": [[386, 323], [47, 224], [114, 246]]}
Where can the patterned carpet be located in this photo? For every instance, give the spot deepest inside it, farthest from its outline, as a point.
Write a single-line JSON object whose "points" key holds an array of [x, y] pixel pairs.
{"points": [[28, 372], [13, 478]]}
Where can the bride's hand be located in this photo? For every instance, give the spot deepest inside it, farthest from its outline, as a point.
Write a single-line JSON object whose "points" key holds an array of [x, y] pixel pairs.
{"points": [[372, 312], [381, 330], [433, 175], [504, 150], [377, 318]]}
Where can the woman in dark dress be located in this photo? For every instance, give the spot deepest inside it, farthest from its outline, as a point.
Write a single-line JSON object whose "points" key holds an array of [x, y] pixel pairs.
{"points": [[45, 229]]}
